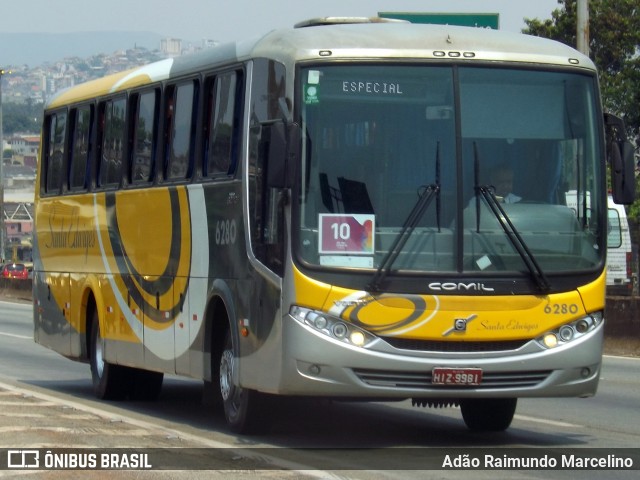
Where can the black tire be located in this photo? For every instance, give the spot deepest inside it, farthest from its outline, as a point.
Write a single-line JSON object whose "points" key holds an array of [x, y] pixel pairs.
{"points": [[488, 414], [244, 409], [110, 382]]}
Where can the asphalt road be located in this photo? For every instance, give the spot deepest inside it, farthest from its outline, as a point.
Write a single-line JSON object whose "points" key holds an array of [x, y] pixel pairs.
{"points": [[46, 401]]}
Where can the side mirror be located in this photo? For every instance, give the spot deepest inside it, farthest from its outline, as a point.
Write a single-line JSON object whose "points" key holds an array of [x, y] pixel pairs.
{"points": [[283, 153], [620, 158]]}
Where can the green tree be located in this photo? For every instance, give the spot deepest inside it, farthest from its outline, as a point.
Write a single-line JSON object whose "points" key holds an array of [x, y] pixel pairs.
{"points": [[21, 117], [614, 46]]}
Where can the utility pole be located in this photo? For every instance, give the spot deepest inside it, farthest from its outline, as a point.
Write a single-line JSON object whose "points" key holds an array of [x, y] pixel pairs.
{"points": [[582, 27], [2, 230]]}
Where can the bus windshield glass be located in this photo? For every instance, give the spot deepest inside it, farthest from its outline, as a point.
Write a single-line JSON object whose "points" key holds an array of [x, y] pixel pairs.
{"points": [[440, 168]]}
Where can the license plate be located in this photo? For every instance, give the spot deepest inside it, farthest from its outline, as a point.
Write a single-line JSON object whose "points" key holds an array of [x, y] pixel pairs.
{"points": [[456, 376]]}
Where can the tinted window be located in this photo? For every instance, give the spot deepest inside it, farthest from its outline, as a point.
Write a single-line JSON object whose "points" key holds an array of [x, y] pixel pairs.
{"points": [[57, 135], [180, 129], [80, 148], [145, 127], [266, 212], [113, 142], [223, 126]]}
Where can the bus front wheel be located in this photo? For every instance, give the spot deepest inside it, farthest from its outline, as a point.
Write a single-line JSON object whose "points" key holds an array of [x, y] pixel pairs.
{"points": [[488, 414], [243, 408]]}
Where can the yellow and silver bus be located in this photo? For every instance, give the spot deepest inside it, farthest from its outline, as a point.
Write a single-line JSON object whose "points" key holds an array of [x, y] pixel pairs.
{"points": [[319, 212]]}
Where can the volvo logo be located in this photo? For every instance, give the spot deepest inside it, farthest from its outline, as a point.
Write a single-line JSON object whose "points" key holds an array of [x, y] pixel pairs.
{"points": [[460, 325], [460, 286]]}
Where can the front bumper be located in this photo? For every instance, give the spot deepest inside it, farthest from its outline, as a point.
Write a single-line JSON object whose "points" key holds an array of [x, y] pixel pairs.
{"points": [[314, 364]]}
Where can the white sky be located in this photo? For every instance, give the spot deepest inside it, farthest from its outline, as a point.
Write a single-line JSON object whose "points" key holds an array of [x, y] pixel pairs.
{"points": [[227, 20]]}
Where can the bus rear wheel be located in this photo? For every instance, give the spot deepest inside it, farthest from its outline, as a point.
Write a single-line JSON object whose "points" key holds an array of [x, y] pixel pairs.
{"points": [[488, 414], [110, 381], [117, 382], [243, 407]]}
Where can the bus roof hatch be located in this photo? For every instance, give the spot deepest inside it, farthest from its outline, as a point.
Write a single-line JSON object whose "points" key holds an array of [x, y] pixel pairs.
{"points": [[315, 22]]}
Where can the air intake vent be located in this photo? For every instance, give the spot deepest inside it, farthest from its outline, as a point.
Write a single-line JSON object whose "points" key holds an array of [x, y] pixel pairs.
{"points": [[458, 347], [316, 22]]}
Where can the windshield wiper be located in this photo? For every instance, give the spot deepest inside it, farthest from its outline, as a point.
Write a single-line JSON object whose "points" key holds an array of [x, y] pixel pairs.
{"points": [[426, 195], [487, 192]]}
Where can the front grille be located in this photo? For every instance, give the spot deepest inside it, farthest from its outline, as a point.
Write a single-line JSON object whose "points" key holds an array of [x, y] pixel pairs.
{"points": [[453, 346], [422, 380]]}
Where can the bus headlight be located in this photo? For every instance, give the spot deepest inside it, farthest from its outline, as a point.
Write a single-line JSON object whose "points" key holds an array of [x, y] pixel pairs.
{"points": [[566, 333], [357, 338], [550, 340], [339, 330], [332, 327], [320, 322], [571, 331], [582, 326]]}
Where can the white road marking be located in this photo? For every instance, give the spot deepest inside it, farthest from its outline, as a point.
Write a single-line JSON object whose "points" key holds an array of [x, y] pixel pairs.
{"points": [[13, 335], [554, 423]]}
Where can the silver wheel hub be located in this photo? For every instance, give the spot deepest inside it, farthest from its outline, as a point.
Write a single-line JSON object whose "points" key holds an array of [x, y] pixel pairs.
{"points": [[226, 374], [99, 356]]}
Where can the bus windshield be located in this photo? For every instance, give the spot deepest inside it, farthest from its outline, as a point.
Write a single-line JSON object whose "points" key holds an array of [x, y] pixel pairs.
{"points": [[440, 168]]}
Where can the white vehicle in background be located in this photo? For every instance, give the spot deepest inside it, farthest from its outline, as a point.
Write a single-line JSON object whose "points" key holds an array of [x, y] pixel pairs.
{"points": [[619, 252]]}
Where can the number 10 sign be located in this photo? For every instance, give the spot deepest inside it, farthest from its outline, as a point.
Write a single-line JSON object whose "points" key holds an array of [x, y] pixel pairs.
{"points": [[347, 233]]}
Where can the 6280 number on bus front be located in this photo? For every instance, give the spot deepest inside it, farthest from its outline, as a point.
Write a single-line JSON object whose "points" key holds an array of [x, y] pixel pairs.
{"points": [[561, 308]]}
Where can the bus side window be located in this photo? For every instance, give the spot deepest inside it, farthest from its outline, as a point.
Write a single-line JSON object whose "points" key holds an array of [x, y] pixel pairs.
{"points": [[223, 125], [142, 163], [80, 149], [266, 205], [113, 143], [180, 130], [56, 151]]}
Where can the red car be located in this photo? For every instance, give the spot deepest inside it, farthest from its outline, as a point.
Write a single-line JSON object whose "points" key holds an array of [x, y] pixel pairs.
{"points": [[15, 270]]}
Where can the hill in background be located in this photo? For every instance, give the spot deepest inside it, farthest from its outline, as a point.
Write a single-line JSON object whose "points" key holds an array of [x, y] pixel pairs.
{"points": [[34, 49]]}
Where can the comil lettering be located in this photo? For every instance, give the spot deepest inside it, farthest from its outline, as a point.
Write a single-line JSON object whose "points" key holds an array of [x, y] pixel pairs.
{"points": [[460, 286], [373, 88]]}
